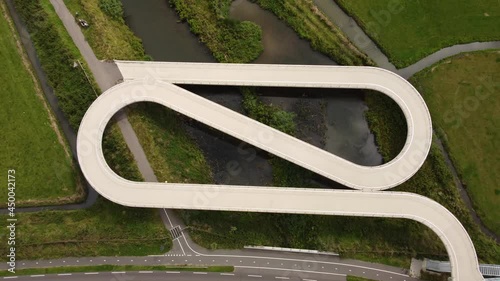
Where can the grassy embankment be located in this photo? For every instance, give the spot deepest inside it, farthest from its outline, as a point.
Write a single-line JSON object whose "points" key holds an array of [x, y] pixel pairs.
{"points": [[172, 154], [310, 24], [112, 268], [433, 180], [407, 31], [32, 142], [461, 95], [106, 228]]}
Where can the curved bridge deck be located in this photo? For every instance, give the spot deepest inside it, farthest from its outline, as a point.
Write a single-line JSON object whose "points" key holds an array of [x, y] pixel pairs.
{"points": [[152, 82]]}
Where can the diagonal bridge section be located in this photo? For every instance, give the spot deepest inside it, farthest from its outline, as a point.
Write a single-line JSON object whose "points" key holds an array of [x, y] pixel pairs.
{"points": [[315, 159], [152, 82]]}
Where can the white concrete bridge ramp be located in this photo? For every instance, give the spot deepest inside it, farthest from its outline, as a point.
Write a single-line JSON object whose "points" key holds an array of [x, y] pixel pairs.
{"points": [[151, 81]]}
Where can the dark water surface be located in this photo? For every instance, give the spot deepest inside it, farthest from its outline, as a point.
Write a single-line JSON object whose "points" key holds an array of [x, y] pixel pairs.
{"points": [[337, 123]]}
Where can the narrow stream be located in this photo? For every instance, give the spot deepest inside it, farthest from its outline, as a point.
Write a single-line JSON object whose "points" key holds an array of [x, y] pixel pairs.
{"points": [[337, 121]]}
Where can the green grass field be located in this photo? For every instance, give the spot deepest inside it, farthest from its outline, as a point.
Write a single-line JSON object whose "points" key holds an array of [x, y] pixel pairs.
{"points": [[32, 143], [462, 95], [105, 229], [407, 31]]}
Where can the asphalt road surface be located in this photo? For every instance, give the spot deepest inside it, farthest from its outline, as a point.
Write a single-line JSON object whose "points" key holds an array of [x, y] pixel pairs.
{"points": [[239, 275]]}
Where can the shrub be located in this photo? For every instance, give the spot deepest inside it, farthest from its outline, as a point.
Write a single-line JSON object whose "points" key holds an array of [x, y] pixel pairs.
{"points": [[112, 8]]}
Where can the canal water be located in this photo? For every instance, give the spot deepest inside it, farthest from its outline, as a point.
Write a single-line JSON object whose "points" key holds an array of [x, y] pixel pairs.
{"points": [[332, 119]]}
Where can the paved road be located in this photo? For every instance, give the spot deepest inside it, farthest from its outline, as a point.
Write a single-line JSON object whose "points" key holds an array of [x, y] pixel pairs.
{"points": [[277, 200], [433, 58], [285, 266], [238, 275], [253, 262]]}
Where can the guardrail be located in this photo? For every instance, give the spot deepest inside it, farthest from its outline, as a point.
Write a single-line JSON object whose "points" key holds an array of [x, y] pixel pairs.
{"points": [[291, 250]]}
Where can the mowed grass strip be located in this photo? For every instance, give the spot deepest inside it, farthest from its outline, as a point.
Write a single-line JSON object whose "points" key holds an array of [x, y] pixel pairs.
{"points": [[105, 229], [31, 142], [462, 95], [112, 268], [407, 31]]}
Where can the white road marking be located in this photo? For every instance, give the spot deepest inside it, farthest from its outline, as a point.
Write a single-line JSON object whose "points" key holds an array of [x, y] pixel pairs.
{"points": [[287, 269], [168, 218], [297, 260]]}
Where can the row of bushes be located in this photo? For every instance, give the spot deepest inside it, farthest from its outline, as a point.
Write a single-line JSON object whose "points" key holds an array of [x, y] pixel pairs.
{"points": [[74, 92], [112, 8]]}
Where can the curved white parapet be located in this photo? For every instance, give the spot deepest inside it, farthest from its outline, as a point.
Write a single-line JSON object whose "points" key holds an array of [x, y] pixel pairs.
{"points": [[277, 200], [391, 174]]}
